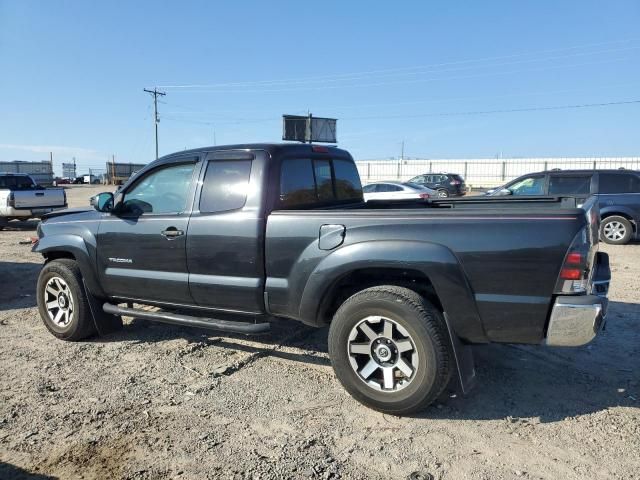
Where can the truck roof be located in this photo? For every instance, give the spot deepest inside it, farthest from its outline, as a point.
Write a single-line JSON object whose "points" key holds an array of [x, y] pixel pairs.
{"points": [[302, 148]]}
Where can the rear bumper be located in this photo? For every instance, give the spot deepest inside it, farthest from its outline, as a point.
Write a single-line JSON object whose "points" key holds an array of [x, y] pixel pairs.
{"points": [[30, 212], [576, 320]]}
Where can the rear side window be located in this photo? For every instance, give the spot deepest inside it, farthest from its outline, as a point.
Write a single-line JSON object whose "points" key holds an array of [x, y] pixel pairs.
{"points": [[348, 186], [619, 183], [324, 183], [305, 182], [225, 186], [297, 183], [567, 185], [369, 189]]}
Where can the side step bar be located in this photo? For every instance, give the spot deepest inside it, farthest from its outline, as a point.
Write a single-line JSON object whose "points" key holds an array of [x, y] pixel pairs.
{"points": [[188, 320]]}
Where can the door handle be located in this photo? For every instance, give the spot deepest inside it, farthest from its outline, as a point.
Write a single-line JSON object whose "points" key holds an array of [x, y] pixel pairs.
{"points": [[172, 232]]}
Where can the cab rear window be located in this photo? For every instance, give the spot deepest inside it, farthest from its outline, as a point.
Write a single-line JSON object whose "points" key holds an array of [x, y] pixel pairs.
{"points": [[17, 182], [308, 182]]}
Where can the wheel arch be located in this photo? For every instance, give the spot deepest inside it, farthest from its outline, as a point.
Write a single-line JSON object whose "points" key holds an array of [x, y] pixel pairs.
{"points": [[53, 247], [619, 212], [429, 269]]}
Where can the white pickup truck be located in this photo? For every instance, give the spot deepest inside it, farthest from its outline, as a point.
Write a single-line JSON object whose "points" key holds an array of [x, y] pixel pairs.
{"points": [[22, 198]]}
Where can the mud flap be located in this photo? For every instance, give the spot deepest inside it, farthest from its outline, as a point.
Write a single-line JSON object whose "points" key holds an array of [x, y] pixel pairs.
{"points": [[465, 365], [105, 323]]}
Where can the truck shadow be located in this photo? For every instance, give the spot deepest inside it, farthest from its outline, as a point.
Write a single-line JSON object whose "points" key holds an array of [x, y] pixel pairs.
{"points": [[18, 284], [514, 381], [22, 225], [9, 471]]}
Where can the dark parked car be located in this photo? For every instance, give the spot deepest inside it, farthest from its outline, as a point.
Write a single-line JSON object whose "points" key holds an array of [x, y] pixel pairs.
{"points": [[446, 184], [618, 193], [235, 237]]}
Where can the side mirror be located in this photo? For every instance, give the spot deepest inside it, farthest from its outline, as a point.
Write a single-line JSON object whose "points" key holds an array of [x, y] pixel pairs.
{"points": [[102, 202], [505, 191]]}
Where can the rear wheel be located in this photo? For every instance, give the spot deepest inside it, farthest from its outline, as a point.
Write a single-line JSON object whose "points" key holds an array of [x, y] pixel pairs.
{"points": [[62, 301], [442, 193], [390, 350], [616, 230]]}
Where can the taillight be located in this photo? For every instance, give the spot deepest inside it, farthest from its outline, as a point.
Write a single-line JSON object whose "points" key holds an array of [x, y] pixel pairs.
{"points": [[571, 274], [573, 258], [64, 195], [11, 200], [576, 267], [424, 195], [455, 182]]}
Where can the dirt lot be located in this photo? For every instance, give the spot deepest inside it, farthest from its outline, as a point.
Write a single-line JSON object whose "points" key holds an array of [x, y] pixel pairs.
{"points": [[155, 401]]}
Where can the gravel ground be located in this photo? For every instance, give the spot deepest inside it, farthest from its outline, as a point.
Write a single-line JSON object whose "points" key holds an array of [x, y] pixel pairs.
{"points": [[156, 401]]}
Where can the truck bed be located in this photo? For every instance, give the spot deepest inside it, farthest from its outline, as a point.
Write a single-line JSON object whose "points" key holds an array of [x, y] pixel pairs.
{"points": [[509, 252]]}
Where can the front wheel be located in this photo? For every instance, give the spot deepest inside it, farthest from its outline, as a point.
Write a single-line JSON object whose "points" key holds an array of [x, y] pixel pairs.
{"points": [[616, 230], [390, 350], [62, 301]]}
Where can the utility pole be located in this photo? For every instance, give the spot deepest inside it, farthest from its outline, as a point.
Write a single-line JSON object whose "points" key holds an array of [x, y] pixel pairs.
{"points": [[155, 92], [402, 151]]}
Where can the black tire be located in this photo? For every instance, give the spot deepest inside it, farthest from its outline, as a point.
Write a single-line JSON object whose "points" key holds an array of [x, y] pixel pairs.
{"points": [[443, 193], [80, 324], [426, 329], [616, 230]]}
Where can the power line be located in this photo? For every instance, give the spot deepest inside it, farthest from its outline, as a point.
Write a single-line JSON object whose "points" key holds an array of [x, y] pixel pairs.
{"points": [[155, 94], [436, 114], [404, 70], [204, 114], [411, 81], [509, 110]]}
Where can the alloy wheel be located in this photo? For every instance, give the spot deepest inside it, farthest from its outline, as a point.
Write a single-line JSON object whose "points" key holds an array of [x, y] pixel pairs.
{"points": [[615, 231], [58, 301], [382, 354]]}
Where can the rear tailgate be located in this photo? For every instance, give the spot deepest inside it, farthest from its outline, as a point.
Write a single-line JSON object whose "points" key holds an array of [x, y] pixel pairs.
{"points": [[39, 198]]}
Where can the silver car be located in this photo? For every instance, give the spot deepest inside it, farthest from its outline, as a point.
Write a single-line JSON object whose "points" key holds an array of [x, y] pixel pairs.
{"points": [[397, 191]]}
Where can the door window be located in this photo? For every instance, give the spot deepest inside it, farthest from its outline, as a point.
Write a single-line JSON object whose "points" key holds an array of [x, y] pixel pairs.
{"points": [[164, 190], [619, 183], [569, 185], [528, 186], [225, 186], [369, 189]]}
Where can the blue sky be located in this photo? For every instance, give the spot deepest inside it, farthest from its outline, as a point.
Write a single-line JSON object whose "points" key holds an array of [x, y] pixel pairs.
{"points": [[72, 74]]}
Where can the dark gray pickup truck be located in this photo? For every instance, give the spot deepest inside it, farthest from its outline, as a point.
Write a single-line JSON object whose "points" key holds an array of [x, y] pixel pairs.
{"points": [[234, 238]]}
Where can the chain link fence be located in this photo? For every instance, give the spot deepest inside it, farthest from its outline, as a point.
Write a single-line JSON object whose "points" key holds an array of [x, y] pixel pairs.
{"points": [[484, 173]]}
